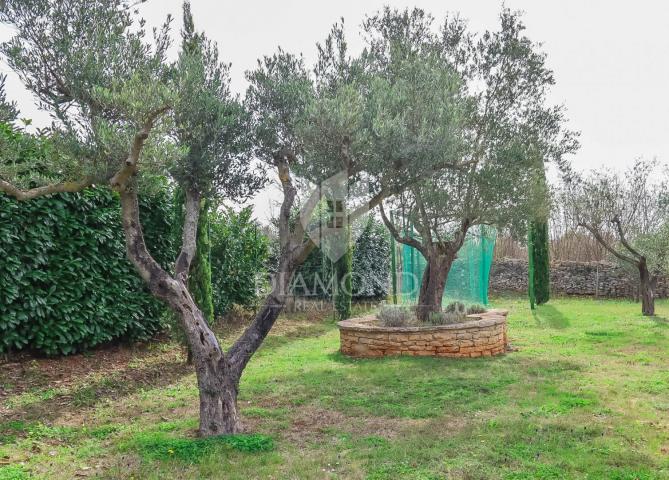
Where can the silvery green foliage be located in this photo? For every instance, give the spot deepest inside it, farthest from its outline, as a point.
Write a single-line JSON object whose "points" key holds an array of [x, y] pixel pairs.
{"points": [[381, 123], [396, 315], [101, 76], [618, 209], [93, 67], [456, 307], [446, 318], [280, 89], [348, 115], [210, 122], [8, 110], [334, 126], [455, 312], [475, 308], [504, 127]]}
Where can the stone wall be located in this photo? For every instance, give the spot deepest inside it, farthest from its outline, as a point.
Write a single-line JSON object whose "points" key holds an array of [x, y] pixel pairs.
{"points": [[599, 279], [484, 335]]}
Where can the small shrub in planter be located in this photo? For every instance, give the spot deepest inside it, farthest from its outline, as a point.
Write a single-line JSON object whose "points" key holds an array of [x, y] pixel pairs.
{"points": [[396, 316], [474, 309], [456, 307], [446, 318], [401, 316]]}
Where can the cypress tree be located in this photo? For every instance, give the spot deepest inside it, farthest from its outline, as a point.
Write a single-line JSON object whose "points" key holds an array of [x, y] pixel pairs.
{"points": [[199, 280], [541, 260], [342, 271], [530, 266]]}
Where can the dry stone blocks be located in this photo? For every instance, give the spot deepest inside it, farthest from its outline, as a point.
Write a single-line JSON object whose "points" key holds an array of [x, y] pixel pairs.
{"points": [[483, 336], [599, 279]]}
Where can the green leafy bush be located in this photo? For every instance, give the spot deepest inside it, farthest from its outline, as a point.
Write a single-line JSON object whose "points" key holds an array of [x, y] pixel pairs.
{"points": [[239, 252], [342, 277], [65, 282], [541, 258], [370, 267], [13, 472]]}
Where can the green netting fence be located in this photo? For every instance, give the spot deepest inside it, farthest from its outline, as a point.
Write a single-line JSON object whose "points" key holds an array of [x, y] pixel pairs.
{"points": [[469, 275]]}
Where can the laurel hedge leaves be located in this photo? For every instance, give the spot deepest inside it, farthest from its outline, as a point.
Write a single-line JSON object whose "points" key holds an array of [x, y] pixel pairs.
{"points": [[239, 252], [65, 282]]}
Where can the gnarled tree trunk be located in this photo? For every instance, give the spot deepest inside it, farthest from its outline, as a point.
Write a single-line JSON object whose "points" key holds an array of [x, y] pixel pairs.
{"points": [[218, 383], [217, 380], [647, 289], [433, 284]]}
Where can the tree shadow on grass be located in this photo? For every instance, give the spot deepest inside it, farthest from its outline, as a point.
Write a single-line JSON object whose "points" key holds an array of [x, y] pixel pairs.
{"points": [[548, 316], [339, 357], [414, 388], [660, 320]]}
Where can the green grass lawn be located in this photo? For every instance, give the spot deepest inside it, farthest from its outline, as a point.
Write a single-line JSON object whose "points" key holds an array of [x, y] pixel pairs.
{"points": [[585, 396]]}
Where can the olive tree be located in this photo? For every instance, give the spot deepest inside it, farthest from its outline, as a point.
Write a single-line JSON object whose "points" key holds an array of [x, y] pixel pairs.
{"points": [[123, 114], [504, 129], [627, 215], [312, 126]]}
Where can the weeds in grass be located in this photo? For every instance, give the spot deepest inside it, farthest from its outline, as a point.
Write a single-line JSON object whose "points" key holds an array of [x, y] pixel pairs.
{"points": [[104, 431], [158, 446], [260, 412], [13, 472], [40, 431]]}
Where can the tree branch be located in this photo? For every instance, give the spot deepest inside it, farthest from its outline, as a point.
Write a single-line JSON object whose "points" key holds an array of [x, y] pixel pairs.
{"points": [[282, 161], [623, 240], [595, 233], [412, 242], [136, 248], [120, 179], [247, 344], [36, 192], [188, 234], [424, 229]]}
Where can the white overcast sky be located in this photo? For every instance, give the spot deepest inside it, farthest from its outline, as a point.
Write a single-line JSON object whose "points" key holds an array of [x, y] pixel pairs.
{"points": [[611, 58]]}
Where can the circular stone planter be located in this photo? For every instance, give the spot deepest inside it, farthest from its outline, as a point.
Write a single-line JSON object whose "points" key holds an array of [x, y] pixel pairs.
{"points": [[483, 336]]}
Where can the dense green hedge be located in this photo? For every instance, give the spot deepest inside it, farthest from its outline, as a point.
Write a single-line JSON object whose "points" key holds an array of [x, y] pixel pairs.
{"points": [[239, 254], [65, 282]]}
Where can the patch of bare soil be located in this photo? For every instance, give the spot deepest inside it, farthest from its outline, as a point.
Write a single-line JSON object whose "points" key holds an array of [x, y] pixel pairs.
{"points": [[43, 389], [311, 423], [26, 372]]}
